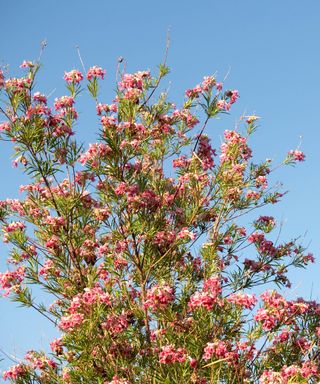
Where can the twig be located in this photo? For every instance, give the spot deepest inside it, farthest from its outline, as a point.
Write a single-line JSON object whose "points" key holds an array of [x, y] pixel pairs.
{"points": [[80, 58]]}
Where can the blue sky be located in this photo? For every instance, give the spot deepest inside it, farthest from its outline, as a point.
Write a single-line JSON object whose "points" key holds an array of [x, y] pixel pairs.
{"points": [[269, 49]]}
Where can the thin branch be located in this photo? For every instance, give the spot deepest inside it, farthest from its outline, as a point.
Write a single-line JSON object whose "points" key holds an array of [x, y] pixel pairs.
{"points": [[80, 58]]}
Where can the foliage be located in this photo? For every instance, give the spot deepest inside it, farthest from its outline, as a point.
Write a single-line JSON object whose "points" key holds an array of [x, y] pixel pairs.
{"points": [[139, 241]]}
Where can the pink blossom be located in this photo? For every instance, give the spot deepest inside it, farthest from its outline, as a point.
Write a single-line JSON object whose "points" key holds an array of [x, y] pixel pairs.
{"points": [[297, 155], [95, 72], [169, 354], [5, 127], [63, 102], [130, 81], [235, 147], [16, 85], [219, 86], [94, 154], [217, 348], [233, 96], [265, 223], [37, 96], [88, 298], [116, 323], [106, 108], [27, 64], [15, 372], [73, 76], [12, 227], [11, 280], [53, 242], [208, 82], [108, 121], [223, 105], [193, 93], [186, 116], [205, 152], [180, 162], [261, 182], [49, 269], [186, 234], [70, 112], [158, 297], [245, 300], [164, 238], [209, 296], [69, 322], [56, 346], [252, 195]]}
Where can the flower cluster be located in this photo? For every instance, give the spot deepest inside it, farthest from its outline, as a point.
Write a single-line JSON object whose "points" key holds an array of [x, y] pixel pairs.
{"points": [[73, 76], [169, 354], [209, 296], [11, 280], [158, 297], [95, 72], [244, 300]]}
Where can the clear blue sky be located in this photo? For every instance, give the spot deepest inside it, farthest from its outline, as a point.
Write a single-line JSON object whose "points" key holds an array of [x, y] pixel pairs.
{"points": [[269, 47]]}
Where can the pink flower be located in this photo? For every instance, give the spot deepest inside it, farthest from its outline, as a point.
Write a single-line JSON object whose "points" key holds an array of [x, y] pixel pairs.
{"points": [[14, 226], [180, 162], [169, 355], [49, 269], [218, 349], [95, 152], [219, 86], [73, 76], [70, 322], [115, 323], [56, 346], [186, 234], [261, 182], [53, 242], [223, 105], [164, 238], [5, 127], [94, 72], [16, 85], [243, 299], [39, 97], [11, 281], [297, 155], [133, 81], [233, 96], [205, 152], [208, 82], [158, 297], [108, 121], [130, 81], [63, 102], [252, 195], [193, 93], [27, 64], [209, 296], [15, 372], [106, 108], [186, 116]]}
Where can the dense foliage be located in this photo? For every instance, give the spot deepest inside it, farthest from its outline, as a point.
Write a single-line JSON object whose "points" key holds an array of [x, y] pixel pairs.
{"points": [[140, 241]]}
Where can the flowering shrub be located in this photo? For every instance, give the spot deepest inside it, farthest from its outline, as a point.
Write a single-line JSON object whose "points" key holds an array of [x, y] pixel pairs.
{"points": [[139, 242]]}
